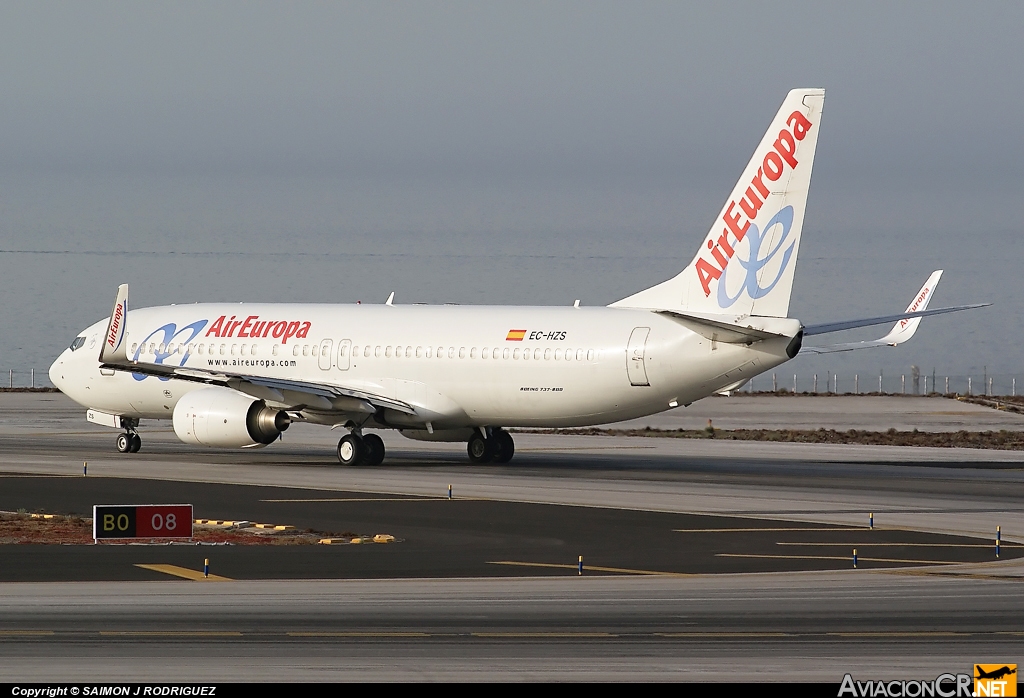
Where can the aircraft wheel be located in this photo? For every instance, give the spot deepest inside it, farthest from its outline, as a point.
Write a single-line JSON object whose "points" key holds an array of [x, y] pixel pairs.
{"points": [[136, 443], [480, 450], [124, 443], [374, 449], [351, 450], [504, 446]]}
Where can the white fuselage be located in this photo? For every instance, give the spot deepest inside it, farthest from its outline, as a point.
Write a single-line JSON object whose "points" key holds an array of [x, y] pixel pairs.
{"points": [[457, 366]]}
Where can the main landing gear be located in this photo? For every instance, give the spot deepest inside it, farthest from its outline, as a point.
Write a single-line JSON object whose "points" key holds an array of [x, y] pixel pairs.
{"points": [[357, 449], [497, 446]]}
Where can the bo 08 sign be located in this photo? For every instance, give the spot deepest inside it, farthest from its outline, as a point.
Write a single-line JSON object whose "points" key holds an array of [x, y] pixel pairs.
{"points": [[142, 521]]}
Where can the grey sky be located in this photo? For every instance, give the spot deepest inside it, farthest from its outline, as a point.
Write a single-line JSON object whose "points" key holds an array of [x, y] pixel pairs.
{"points": [[496, 129]]}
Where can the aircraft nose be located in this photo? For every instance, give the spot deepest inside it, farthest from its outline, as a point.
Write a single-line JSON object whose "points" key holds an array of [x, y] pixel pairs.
{"points": [[57, 372]]}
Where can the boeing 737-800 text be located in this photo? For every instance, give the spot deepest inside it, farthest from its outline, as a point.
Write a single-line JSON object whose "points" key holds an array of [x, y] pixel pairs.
{"points": [[236, 375]]}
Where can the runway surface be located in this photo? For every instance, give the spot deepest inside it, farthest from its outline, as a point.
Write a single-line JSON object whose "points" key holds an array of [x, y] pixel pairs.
{"points": [[911, 622]]}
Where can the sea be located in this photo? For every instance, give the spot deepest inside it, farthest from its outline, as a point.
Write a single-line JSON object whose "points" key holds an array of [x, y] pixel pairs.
{"points": [[67, 241]]}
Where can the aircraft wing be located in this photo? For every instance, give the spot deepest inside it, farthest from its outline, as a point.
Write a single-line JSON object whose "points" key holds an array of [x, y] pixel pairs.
{"points": [[905, 327], [113, 356]]}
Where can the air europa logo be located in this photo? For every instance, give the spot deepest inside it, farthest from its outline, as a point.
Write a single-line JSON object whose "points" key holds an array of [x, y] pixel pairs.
{"points": [[915, 305], [115, 326], [740, 224], [254, 328], [167, 335]]}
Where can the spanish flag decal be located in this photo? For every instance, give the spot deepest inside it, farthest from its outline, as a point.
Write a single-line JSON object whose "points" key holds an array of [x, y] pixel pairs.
{"points": [[515, 335]]}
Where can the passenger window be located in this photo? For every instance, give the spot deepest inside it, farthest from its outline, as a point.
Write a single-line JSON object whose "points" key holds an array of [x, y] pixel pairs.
{"points": [[558, 354], [515, 354], [272, 351], [462, 352], [296, 349], [536, 354], [408, 352], [440, 352], [234, 349], [547, 354], [134, 346], [451, 352], [191, 349], [505, 354], [485, 353], [387, 352], [376, 351], [315, 349], [252, 350], [245, 349], [430, 352], [590, 355], [305, 350], [344, 351], [472, 353], [223, 349], [579, 355]]}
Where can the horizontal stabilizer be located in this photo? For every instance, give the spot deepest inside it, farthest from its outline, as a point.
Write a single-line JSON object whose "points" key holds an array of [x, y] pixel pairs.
{"points": [[719, 330]]}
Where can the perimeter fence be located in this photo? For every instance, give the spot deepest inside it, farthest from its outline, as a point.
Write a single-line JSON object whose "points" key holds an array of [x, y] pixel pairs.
{"points": [[913, 383]]}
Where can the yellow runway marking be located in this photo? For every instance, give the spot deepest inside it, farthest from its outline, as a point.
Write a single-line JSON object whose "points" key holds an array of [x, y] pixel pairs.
{"points": [[584, 448], [923, 633], [361, 499], [713, 635], [907, 545], [172, 633], [591, 568], [357, 634], [25, 633], [846, 558], [554, 634], [185, 572], [758, 530]]}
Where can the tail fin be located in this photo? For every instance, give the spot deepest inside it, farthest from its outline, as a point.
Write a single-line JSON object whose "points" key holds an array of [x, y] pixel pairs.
{"points": [[746, 263]]}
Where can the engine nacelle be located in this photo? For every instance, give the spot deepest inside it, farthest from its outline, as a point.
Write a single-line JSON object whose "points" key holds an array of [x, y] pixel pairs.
{"points": [[226, 418]]}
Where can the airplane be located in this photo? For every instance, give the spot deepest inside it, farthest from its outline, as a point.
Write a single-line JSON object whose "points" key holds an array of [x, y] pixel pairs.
{"points": [[236, 375], [995, 674]]}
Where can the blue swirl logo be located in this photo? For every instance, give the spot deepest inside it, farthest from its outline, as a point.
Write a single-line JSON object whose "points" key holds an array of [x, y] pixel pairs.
{"points": [[167, 335], [755, 262]]}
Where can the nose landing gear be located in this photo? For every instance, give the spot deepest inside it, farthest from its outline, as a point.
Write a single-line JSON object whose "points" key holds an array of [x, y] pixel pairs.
{"points": [[129, 442]]}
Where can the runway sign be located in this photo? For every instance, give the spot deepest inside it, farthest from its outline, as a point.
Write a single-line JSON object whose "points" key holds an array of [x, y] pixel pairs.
{"points": [[142, 521]]}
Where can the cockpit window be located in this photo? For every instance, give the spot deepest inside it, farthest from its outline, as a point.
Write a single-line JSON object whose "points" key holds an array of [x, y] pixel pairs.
{"points": [[79, 341]]}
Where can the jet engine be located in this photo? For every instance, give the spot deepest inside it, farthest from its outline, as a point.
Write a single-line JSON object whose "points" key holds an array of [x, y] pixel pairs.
{"points": [[227, 418]]}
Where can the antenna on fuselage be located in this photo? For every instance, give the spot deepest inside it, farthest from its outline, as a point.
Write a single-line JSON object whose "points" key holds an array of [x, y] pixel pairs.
{"points": [[390, 300]]}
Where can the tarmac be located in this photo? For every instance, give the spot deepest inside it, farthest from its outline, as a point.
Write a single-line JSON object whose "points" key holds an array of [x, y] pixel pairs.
{"points": [[726, 603]]}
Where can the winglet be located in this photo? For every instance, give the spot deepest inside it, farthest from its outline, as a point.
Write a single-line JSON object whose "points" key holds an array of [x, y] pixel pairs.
{"points": [[115, 349], [905, 328]]}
